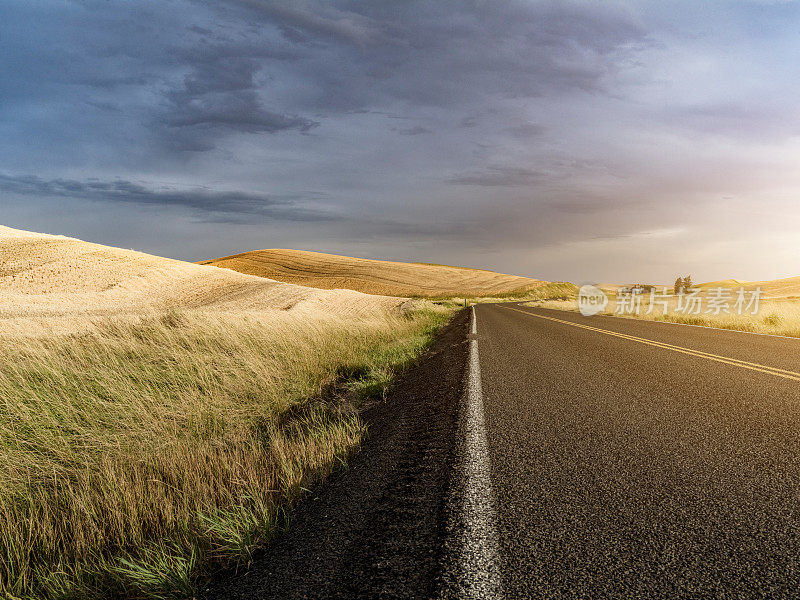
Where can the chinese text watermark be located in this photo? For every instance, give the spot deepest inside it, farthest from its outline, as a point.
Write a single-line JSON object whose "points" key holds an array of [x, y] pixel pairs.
{"points": [[690, 301]]}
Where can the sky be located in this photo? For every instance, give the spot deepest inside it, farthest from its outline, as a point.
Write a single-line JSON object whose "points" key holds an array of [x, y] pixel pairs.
{"points": [[592, 141]]}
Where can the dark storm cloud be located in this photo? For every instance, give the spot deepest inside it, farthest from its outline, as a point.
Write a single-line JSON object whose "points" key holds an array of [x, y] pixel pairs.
{"points": [[532, 121], [190, 76], [449, 54], [220, 92], [217, 202]]}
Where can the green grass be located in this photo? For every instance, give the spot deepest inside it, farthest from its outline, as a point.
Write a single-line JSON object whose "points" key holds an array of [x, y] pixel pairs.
{"points": [[141, 454]]}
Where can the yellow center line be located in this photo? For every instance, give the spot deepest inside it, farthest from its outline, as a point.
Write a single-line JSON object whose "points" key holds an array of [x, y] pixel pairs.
{"points": [[698, 353]]}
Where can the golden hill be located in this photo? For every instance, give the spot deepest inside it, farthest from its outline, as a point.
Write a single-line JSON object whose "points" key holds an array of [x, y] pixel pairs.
{"points": [[151, 406], [47, 276], [725, 283], [778, 288], [770, 288], [329, 271]]}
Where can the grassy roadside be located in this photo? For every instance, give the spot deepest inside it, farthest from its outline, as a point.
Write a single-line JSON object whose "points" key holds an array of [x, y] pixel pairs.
{"points": [[553, 290], [776, 317], [140, 453]]}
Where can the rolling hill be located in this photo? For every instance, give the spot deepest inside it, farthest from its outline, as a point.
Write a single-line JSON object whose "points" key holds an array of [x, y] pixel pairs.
{"points": [[771, 288], [330, 271], [49, 276], [729, 283], [778, 288], [149, 407]]}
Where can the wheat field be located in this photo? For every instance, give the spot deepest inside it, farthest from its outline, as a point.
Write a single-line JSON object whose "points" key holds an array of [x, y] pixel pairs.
{"points": [[770, 288], [48, 277], [788, 287], [158, 418], [329, 271]]}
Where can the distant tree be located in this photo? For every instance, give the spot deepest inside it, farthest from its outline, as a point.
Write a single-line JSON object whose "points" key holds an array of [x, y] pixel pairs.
{"points": [[687, 282], [678, 285]]}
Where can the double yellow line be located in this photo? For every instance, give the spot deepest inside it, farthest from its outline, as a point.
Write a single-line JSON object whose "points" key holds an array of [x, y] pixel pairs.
{"points": [[707, 355]]}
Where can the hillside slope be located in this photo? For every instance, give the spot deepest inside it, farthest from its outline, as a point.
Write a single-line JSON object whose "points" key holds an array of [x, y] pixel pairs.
{"points": [[159, 419], [329, 271], [45, 276], [778, 288], [770, 288]]}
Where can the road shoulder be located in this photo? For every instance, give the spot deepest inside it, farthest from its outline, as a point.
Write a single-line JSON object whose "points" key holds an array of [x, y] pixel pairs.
{"points": [[376, 527]]}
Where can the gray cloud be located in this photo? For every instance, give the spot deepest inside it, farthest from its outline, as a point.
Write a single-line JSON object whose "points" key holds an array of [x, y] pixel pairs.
{"points": [[221, 94], [226, 206], [317, 19], [500, 126], [205, 74], [526, 130], [240, 111], [418, 130], [500, 176], [760, 120]]}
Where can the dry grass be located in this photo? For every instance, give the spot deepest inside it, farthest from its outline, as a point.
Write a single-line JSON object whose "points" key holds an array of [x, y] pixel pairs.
{"points": [[328, 271], [775, 316], [144, 440]]}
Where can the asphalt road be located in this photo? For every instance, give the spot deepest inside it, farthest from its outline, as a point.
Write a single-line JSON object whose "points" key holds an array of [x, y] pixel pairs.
{"points": [[550, 455], [624, 469]]}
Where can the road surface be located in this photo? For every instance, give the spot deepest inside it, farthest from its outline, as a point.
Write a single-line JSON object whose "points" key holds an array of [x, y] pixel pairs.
{"points": [[579, 457]]}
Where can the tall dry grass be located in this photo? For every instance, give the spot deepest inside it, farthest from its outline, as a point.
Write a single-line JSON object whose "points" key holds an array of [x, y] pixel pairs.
{"points": [[136, 452], [775, 316]]}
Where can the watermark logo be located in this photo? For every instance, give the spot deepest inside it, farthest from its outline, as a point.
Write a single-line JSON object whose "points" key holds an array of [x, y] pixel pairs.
{"points": [[641, 299], [591, 300], [689, 301]]}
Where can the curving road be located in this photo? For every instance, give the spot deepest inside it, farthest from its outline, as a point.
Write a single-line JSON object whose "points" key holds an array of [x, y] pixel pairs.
{"points": [[633, 459], [590, 457]]}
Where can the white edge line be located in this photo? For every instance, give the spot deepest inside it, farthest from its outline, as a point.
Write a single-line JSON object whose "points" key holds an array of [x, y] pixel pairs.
{"points": [[575, 312], [478, 560]]}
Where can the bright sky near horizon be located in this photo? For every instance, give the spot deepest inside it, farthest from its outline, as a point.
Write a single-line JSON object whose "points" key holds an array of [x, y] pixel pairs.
{"points": [[582, 141]]}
